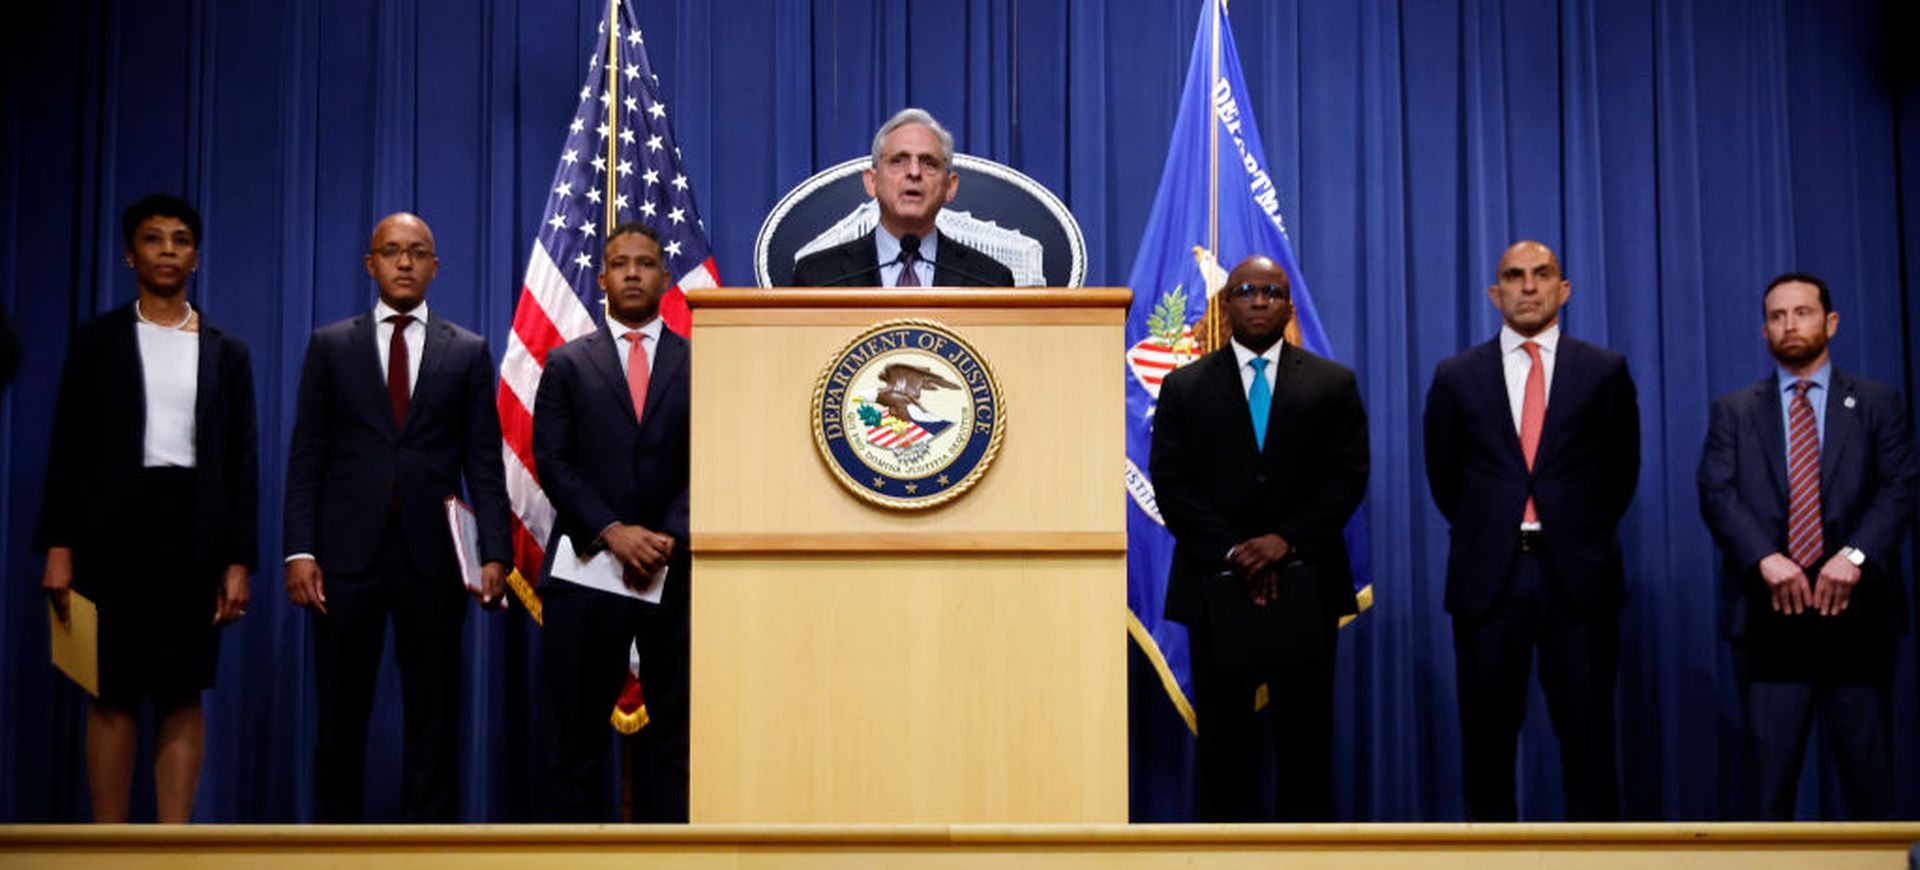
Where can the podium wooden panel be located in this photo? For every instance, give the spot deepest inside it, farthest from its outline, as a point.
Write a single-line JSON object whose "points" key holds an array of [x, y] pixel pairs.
{"points": [[857, 664]]}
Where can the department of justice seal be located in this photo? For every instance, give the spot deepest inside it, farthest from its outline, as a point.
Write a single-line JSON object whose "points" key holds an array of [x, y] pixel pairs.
{"points": [[908, 415]]}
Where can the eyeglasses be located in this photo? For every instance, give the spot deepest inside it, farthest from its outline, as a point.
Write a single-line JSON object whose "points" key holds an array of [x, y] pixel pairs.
{"points": [[900, 162], [1273, 292], [419, 253]]}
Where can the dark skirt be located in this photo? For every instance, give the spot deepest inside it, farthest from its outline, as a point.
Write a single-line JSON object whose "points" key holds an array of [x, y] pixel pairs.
{"points": [[157, 638]]}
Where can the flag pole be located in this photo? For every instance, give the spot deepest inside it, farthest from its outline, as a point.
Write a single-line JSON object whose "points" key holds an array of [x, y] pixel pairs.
{"points": [[613, 110], [1213, 171]]}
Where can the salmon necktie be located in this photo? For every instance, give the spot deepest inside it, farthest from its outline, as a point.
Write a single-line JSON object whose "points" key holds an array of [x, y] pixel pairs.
{"points": [[1533, 415], [637, 373]]}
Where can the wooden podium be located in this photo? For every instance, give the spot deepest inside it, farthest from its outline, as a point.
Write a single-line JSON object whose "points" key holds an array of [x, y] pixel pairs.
{"points": [[964, 663]]}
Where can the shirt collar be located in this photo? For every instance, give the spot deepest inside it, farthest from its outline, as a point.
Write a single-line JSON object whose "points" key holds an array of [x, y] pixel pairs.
{"points": [[1242, 355], [1548, 339], [1822, 377], [382, 311], [650, 329], [887, 245]]}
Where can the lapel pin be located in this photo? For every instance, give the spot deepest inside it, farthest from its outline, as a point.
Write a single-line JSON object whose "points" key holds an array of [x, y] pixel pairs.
{"points": [[1848, 403]]}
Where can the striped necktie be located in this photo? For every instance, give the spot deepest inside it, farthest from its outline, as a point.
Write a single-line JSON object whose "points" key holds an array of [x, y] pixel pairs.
{"points": [[1805, 540]]}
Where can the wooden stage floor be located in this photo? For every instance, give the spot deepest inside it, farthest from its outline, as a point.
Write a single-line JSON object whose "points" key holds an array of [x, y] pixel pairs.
{"points": [[1131, 847]]}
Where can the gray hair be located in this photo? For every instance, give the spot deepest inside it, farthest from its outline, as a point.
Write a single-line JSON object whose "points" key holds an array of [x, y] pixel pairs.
{"points": [[915, 116]]}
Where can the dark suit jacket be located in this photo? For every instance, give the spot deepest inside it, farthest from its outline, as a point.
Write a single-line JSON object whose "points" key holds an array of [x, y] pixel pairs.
{"points": [[98, 447], [1215, 488], [597, 463], [1582, 480], [856, 264], [349, 460], [1868, 470]]}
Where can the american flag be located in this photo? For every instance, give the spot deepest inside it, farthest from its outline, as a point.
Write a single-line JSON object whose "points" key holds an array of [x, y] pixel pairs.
{"points": [[1154, 357], [887, 434], [649, 184]]}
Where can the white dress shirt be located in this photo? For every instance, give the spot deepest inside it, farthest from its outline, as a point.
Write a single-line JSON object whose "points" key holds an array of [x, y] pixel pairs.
{"points": [[170, 367], [1245, 357]]}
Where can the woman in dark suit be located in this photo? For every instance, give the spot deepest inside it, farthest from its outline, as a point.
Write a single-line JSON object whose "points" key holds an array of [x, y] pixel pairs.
{"points": [[149, 510]]}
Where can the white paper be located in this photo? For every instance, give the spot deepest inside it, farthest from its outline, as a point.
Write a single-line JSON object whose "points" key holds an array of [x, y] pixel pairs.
{"points": [[466, 542], [603, 572]]}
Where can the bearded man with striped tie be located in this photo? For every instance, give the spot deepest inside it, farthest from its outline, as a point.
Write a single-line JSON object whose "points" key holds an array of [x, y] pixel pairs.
{"points": [[1807, 481], [1533, 451]]}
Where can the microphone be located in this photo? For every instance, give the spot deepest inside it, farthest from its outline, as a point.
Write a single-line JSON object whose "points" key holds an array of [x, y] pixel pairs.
{"points": [[910, 244], [841, 280], [976, 279]]}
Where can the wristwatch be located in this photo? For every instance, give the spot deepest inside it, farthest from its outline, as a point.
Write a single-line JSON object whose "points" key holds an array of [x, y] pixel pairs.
{"points": [[1853, 556]]}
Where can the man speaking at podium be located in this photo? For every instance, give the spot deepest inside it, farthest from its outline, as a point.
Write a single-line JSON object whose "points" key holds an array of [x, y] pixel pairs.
{"points": [[912, 178]]}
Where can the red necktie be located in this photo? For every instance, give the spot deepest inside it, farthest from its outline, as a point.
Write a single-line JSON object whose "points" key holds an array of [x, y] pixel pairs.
{"points": [[1805, 540], [637, 373], [1533, 415], [398, 391]]}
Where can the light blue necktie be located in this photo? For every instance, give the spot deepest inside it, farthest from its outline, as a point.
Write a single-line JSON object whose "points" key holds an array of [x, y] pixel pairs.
{"points": [[1259, 400]]}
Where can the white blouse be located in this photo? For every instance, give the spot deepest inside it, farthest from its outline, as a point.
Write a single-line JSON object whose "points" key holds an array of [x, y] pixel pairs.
{"points": [[170, 364]]}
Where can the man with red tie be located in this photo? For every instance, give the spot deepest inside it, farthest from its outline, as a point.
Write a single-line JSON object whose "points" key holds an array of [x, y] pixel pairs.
{"points": [[1807, 481], [610, 447], [1533, 450], [395, 410]]}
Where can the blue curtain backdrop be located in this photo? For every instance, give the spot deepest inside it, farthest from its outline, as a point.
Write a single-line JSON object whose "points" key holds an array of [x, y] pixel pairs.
{"points": [[1677, 153]]}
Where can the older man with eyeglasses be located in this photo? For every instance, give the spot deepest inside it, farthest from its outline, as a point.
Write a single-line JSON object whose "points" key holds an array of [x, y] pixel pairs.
{"points": [[911, 179], [1259, 460], [395, 411]]}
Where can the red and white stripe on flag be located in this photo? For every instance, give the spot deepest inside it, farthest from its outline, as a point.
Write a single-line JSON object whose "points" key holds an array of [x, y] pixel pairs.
{"points": [[648, 184]]}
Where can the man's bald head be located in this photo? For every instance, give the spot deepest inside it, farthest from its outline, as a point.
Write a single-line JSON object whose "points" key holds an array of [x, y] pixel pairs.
{"points": [[399, 218], [1529, 288], [401, 259]]}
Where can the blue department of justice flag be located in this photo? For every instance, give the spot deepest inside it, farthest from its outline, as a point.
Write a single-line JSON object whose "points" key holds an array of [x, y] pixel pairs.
{"points": [[1173, 276]]}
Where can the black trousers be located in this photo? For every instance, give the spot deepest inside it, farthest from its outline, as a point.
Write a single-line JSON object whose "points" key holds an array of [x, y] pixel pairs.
{"points": [[427, 613], [1578, 652], [1227, 772], [584, 648], [1854, 719]]}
